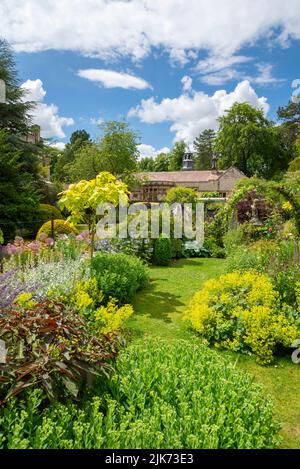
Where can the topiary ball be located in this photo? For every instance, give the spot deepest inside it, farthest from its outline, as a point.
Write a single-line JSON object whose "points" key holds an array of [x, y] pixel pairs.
{"points": [[60, 227]]}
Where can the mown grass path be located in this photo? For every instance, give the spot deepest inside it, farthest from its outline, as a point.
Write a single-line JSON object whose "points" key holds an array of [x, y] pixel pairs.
{"points": [[158, 312]]}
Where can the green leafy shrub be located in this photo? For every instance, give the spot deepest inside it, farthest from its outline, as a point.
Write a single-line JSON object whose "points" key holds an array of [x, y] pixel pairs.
{"points": [[233, 239], [87, 300], [239, 311], [214, 231], [60, 227], [210, 195], [118, 276], [163, 395], [177, 248], [111, 318], [243, 258], [213, 249], [279, 260], [285, 281], [49, 347], [181, 195], [162, 254]]}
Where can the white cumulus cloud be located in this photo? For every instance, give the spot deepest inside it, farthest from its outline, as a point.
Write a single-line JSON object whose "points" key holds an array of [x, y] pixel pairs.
{"points": [[114, 28], [58, 145], [45, 115], [190, 114], [149, 151], [112, 79]]}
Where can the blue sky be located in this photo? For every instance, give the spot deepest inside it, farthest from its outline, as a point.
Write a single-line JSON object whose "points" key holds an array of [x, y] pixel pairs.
{"points": [[169, 70]]}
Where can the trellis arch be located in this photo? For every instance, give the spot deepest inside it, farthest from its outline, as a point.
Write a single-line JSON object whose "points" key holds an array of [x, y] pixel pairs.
{"points": [[288, 189]]}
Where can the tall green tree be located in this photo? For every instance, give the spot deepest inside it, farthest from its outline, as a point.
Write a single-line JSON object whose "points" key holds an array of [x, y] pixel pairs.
{"points": [[19, 200], [162, 162], [176, 156], [88, 162], [290, 117], [20, 180], [118, 147], [14, 113], [61, 164], [249, 141], [204, 146], [116, 152], [146, 164]]}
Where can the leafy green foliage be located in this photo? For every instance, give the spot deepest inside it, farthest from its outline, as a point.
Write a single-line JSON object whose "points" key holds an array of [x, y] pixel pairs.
{"points": [[50, 211], [181, 195], [86, 165], [51, 348], [240, 311], [115, 152], [177, 248], [278, 259], [13, 113], [274, 192], [162, 254], [194, 249], [247, 140], [118, 276], [146, 164], [163, 395], [62, 163], [294, 165], [289, 116], [161, 162], [118, 147], [214, 231], [19, 200], [176, 156], [204, 146], [82, 199]]}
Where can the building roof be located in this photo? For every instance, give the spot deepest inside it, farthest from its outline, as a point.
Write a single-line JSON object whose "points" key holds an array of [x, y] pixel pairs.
{"points": [[181, 176]]}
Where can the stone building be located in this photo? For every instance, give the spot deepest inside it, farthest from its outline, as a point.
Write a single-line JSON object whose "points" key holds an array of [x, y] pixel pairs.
{"points": [[34, 135], [154, 185]]}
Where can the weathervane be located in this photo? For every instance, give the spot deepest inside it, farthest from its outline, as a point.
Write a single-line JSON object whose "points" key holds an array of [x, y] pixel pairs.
{"points": [[214, 162]]}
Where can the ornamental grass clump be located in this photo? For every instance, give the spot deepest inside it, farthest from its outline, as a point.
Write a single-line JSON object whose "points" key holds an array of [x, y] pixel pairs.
{"points": [[163, 395], [241, 312]]}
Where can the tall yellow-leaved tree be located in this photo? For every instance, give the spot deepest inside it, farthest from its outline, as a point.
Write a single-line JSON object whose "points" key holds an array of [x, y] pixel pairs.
{"points": [[83, 198]]}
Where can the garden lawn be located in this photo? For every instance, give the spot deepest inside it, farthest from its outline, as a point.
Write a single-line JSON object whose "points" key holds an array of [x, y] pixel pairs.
{"points": [[158, 311]]}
